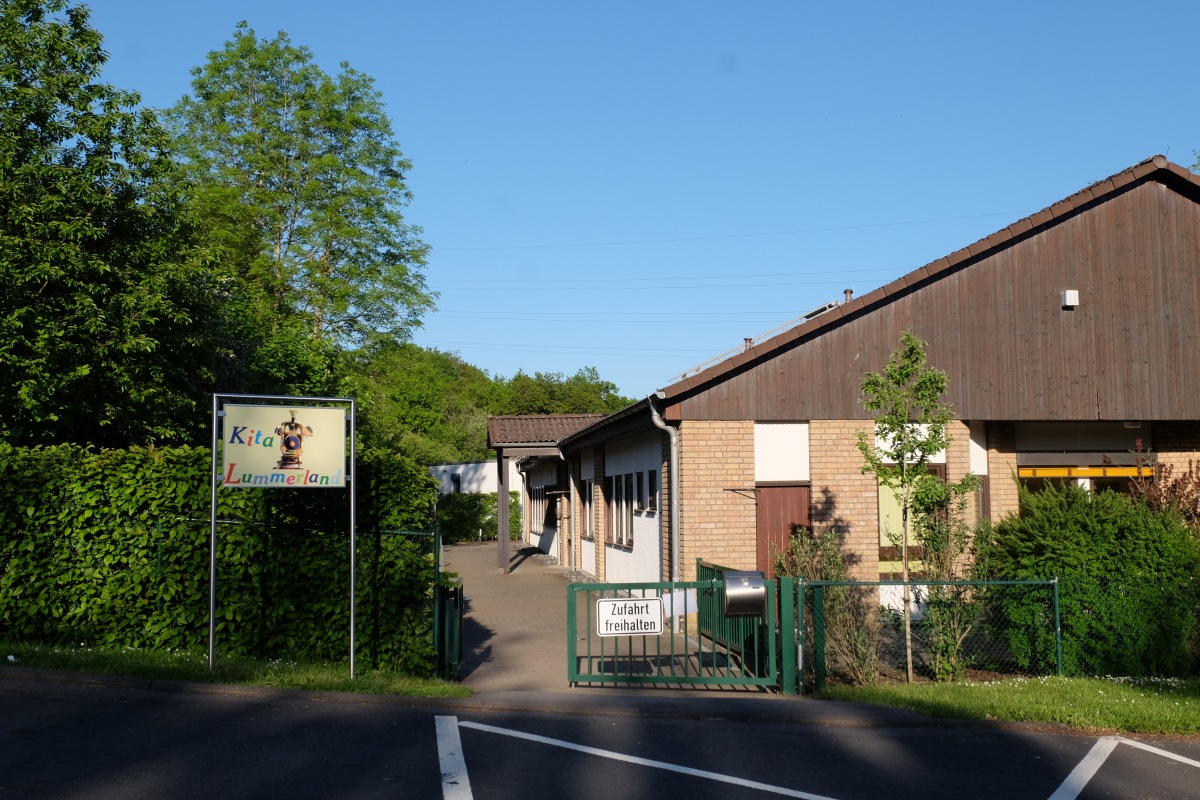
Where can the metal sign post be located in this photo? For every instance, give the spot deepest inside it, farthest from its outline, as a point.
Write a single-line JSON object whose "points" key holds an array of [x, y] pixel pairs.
{"points": [[280, 442]]}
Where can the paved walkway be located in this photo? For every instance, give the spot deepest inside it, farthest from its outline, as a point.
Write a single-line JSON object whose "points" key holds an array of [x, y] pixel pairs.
{"points": [[515, 631]]}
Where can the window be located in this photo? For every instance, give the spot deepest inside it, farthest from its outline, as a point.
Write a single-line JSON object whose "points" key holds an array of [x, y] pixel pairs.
{"points": [[587, 517], [618, 519], [652, 490], [537, 508], [456, 483], [891, 530]]}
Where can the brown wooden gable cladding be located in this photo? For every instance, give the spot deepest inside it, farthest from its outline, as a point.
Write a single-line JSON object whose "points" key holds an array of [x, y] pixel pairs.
{"points": [[992, 315]]}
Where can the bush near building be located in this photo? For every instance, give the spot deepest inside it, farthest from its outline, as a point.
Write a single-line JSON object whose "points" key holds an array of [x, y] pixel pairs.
{"points": [[1129, 581]]}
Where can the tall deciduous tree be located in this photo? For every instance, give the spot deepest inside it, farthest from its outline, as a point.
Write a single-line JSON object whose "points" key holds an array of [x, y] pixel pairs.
{"points": [[910, 428], [308, 163], [102, 301], [585, 392]]}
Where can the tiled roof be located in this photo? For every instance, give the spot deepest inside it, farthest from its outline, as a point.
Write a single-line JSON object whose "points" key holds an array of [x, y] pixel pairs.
{"points": [[1097, 192], [536, 429]]}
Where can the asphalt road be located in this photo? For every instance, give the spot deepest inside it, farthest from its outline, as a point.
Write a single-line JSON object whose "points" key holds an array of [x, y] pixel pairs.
{"points": [[77, 741]]}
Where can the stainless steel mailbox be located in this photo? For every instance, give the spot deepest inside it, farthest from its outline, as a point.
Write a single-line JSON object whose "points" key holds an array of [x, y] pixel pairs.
{"points": [[745, 593]]}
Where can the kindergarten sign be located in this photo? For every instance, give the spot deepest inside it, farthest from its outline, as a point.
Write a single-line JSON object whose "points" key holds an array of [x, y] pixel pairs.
{"points": [[277, 447]]}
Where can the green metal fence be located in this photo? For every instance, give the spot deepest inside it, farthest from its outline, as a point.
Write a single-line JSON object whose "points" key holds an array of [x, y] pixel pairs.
{"points": [[681, 650], [854, 630], [448, 602], [811, 632]]}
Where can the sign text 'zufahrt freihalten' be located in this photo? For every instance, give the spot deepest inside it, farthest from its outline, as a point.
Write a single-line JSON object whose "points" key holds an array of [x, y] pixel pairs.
{"points": [[629, 616]]}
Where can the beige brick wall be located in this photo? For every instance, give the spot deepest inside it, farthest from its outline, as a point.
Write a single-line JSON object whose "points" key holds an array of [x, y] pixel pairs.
{"points": [[845, 502], [1177, 443], [1002, 468], [664, 508], [958, 460], [600, 510], [715, 524]]}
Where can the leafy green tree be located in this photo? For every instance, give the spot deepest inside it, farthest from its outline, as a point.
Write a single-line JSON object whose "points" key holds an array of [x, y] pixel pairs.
{"points": [[300, 171], [585, 392], [910, 428], [430, 406], [104, 301]]}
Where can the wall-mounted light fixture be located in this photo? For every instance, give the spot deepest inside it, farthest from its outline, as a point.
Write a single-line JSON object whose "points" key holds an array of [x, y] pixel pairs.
{"points": [[1070, 299]]}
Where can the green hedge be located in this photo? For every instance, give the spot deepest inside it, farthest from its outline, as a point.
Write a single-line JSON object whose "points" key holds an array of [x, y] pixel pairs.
{"points": [[461, 517], [111, 549], [1129, 582]]}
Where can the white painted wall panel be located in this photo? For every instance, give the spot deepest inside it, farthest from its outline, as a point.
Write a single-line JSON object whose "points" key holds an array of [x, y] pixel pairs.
{"points": [[781, 451]]}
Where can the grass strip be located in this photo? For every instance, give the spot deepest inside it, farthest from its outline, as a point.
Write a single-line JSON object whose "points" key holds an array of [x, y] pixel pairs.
{"points": [[193, 667], [1126, 705]]}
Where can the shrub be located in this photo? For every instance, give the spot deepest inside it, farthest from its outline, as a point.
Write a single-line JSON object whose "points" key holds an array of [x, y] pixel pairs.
{"points": [[1128, 581], [462, 517], [112, 548], [851, 612]]}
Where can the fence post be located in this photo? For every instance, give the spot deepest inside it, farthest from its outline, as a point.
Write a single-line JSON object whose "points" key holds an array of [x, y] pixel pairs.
{"points": [[572, 661], [787, 635], [819, 635], [1057, 627]]}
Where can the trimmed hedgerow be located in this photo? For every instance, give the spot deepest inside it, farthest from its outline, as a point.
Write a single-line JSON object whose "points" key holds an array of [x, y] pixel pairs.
{"points": [[112, 548], [1129, 582], [469, 517]]}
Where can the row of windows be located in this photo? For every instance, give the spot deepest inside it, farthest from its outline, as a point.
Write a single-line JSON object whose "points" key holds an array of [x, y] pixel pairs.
{"points": [[624, 495]]}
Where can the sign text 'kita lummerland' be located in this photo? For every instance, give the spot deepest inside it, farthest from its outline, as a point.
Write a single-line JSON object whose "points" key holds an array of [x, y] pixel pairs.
{"points": [[281, 447]]}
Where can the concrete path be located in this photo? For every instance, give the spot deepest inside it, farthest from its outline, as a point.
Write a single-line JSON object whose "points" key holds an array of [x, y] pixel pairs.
{"points": [[515, 631]]}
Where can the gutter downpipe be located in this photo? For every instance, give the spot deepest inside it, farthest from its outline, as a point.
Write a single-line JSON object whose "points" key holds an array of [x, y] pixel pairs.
{"points": [[673, 434]]}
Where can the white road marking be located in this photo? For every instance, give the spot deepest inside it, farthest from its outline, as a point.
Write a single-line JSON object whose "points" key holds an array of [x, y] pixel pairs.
{"points": [[645, 762], [1165, 754], [1086, 769], [455, 783]]}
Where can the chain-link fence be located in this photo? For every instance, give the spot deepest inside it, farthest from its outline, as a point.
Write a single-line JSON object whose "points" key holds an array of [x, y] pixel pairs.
{"points": [[856, 632]]}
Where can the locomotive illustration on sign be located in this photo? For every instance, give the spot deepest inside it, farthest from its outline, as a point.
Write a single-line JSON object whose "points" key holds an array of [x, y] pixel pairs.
{"points": [[291, 442]]}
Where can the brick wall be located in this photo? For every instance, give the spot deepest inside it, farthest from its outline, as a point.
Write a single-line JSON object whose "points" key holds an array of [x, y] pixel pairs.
{"points": [[1177, 443], [1002, 468], [601, 510], [715, 524], [958, 458], [845, 502], [664, 508]]}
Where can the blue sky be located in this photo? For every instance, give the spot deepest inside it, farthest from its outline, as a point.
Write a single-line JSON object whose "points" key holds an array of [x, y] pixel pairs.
{"points": [[639, 186]]}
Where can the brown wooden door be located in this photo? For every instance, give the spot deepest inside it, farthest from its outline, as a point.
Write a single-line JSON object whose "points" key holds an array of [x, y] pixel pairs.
{"points": [[780, 510]]}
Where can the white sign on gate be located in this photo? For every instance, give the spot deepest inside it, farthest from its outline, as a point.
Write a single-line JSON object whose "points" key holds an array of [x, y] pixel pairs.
{"points": [[629, 616]]}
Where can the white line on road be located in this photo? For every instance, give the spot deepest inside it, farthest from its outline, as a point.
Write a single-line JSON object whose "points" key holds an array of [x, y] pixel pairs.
{"points": [[645, 762], [455, 783], [1086, 769], [1163, 753]]}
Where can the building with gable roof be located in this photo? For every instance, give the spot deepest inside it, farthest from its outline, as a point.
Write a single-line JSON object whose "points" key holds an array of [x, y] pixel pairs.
{"points": [[1070, 342], [527, 446]]}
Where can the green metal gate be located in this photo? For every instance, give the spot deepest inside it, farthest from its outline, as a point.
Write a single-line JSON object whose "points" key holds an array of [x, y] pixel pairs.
{"points": [[694, 645]]}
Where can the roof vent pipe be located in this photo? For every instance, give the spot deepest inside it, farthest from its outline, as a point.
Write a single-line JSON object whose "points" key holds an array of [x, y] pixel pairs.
{"points": [[849, 293]]}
